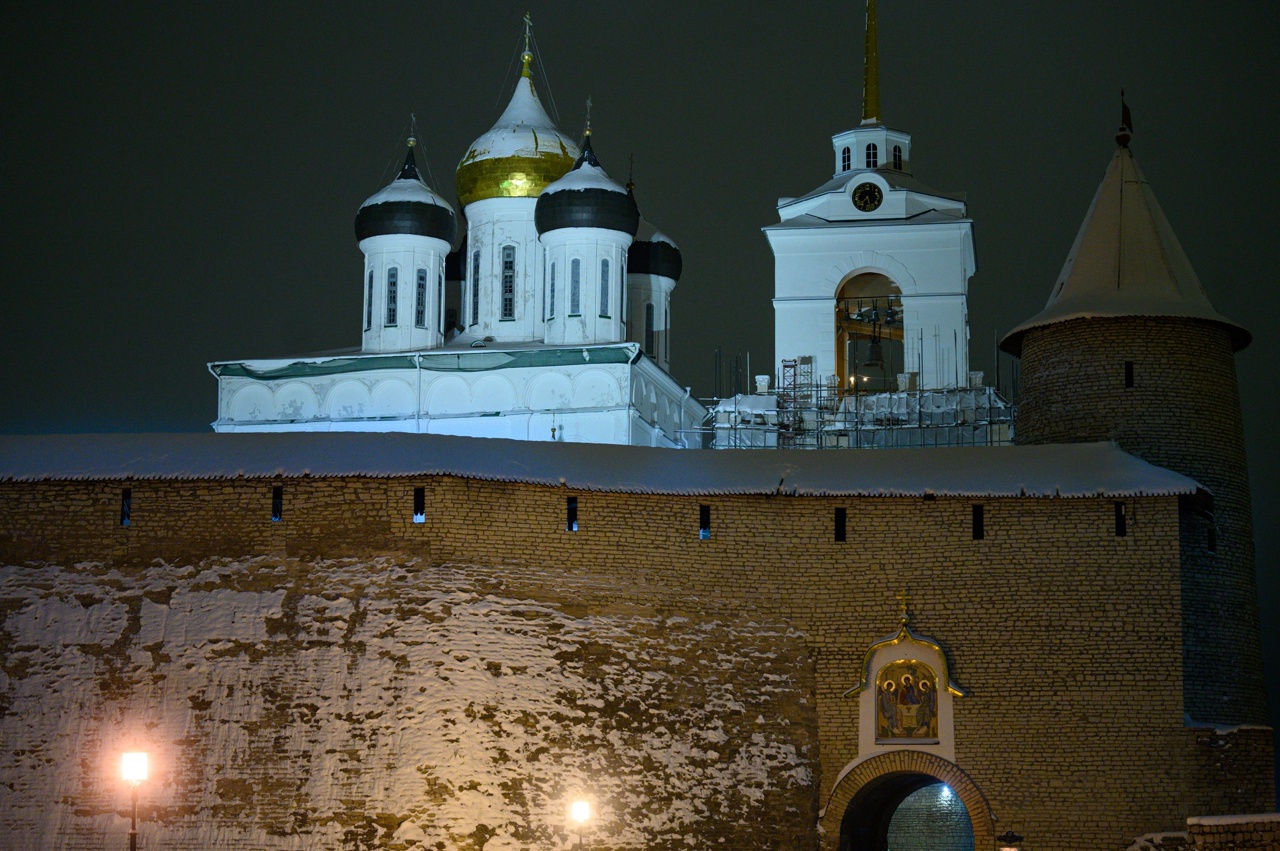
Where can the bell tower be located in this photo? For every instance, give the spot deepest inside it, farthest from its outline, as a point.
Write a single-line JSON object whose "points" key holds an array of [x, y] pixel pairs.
{"points": [[872, 268]]}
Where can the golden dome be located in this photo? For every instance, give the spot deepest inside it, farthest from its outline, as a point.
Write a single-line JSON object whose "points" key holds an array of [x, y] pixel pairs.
{"points": [[520, 155]]}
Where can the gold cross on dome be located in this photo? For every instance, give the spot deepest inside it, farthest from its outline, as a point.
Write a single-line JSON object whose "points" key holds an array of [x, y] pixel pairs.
{"points": [[528, 30], [904, 603]]}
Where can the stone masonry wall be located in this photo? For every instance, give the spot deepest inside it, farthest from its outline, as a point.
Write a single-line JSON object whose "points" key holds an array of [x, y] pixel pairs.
{"points": [[1182, 412], [1066, 637]]}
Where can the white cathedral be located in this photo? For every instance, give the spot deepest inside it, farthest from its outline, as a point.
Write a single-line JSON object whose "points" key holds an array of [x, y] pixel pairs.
{"points": [[561, 329], [563, 293]]}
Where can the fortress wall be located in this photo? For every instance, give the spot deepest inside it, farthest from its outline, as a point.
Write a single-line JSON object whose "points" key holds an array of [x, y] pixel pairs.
{"points": [[1065, 637]]}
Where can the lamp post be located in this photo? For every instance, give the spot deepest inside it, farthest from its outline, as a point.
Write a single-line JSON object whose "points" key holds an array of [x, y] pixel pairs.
{"points": [[133, 768], [580, 811]]}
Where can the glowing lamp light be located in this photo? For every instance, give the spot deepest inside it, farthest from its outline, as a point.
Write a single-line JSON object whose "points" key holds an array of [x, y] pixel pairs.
{"points": [[133, 767], [580, 811]]}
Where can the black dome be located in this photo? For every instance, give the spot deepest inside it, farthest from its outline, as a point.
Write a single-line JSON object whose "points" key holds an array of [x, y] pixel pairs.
{"points": [[586, 198], [407, 206], [654, 258]]}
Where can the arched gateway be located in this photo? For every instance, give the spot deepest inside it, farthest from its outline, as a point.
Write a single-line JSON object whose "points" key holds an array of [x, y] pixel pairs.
{"points": [[870, 794]]}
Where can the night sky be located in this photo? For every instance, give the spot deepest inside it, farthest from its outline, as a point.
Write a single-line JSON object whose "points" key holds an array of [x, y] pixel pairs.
{"points": [[180, 181]]}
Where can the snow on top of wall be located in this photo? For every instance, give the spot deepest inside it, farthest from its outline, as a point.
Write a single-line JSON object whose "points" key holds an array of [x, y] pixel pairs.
{"points": [[1068, 470], [1237, 819]]}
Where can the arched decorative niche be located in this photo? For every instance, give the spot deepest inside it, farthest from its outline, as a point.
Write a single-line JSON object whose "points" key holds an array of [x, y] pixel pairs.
{"points": [[905, 696]]}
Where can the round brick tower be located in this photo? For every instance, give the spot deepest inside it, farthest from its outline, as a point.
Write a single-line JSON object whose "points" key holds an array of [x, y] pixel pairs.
{"points": [[1129, 349]]}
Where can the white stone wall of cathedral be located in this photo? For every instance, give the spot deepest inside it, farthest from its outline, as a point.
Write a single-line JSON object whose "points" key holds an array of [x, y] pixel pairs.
{"points": [[492, 225], [644, 290], [606, 403], [594, 320], [405, 255], [930, 265]]}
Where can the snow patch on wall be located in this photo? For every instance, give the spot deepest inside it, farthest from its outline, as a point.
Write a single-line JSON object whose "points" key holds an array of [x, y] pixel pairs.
{"points": [[362, 704]]}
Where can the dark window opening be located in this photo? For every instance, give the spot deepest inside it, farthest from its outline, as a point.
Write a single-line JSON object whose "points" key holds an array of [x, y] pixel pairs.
{"points": [[419, 505], [648, 331], [420, 300], [873, 156], [897, 157], [704, 522], [1211, 541], [846, 159], [604, 287], [368, 305], [571, 514], [575, 287], [393, 284], [979, 524], [475, 287], [1122, 521], [1128, 373], [508, 282], [277, 503], [126, 506], [840, 524]]}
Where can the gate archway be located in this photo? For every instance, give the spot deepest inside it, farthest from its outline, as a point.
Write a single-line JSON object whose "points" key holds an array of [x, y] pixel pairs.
{"points": [[869, 795]]}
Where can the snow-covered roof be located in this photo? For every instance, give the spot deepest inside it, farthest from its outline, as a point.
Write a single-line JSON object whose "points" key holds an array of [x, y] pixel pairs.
{"points": [[1072, 470], [523, 130], [406, 190], [1126, 261], [808, 221], [648, 233], [895, 179]]}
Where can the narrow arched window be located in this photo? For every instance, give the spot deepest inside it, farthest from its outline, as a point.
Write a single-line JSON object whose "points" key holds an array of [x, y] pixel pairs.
{"points": [[508, 282], [439, 300], [846, 159], [873, 156], [604, 287], [368, 304], [551, 306], [648, 331], [475, 287], [420, 300], [897, 157], [393, 275], [575, 287]]}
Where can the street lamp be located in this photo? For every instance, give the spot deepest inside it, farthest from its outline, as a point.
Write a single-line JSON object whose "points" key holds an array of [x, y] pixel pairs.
{"points": [[1009, 841], [133, 768], [580, 811]]}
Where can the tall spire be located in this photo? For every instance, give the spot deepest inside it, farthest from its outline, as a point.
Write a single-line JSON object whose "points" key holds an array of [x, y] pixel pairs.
{"points": [[871, 71], [527, 56]]}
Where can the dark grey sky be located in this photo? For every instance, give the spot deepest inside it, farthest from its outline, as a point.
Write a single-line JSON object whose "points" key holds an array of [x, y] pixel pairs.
{"points": [[180, 180]]}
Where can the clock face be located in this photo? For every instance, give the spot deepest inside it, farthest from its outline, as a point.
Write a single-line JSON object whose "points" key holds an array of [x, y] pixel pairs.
{"points": [[867, 196]]}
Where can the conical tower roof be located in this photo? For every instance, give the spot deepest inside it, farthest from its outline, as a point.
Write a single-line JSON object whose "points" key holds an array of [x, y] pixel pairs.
{"points": [[1126, 261], [520, 155]]}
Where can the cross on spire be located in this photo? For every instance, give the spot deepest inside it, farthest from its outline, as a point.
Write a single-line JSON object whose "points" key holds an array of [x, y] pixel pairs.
{"points": [[904, 603], [588, 115], [527, 56]]}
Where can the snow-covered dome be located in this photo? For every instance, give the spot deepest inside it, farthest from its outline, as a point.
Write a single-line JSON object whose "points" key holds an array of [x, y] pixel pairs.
{"points": [[586, 197], [407, 205], [520, 155], [654, 253]]}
